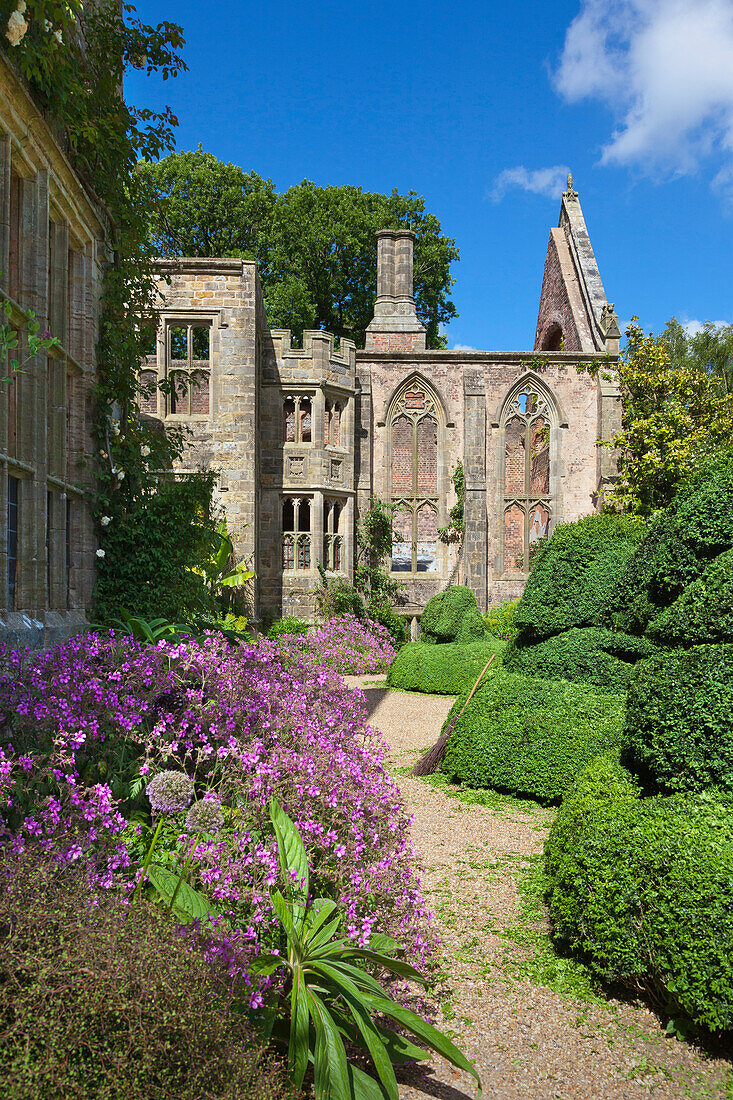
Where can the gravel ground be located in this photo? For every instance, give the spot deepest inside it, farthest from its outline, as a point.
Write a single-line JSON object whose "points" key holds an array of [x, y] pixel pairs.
{"points": [[525, 1039]]}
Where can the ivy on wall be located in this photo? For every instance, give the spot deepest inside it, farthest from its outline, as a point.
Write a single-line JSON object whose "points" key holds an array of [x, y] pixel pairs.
{"points": [[73, 58]]}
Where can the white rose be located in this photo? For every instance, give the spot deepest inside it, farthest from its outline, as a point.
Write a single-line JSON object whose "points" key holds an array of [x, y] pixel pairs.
{"points": [[105, 521], [100, 553], [120, 475], [17, 27], [145, 450], [59, 37], [47, 25]]}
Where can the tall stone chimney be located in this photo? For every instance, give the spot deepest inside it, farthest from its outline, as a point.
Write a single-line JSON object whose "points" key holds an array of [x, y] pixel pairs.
{"points": [[395, 326]]}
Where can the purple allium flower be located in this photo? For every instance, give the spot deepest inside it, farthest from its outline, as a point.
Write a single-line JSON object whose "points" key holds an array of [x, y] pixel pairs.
{"points": [[205, 817], [169, 792]]}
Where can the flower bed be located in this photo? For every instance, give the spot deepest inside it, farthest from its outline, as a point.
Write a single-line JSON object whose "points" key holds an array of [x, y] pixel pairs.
{"points": [[89, 722], [345, 644]]}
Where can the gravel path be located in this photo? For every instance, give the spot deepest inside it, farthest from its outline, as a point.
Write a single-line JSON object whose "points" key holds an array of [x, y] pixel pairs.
{"points": [[526, 1039]]}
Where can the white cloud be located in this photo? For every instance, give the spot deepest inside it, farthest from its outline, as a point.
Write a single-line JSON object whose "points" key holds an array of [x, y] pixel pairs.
{"points": [[549, 182], [463, 347], [693, 327], [665, 69]]}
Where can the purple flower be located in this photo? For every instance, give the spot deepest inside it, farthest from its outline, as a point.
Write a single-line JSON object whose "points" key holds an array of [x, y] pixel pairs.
{"points": [[169, 792], [205, 817]]}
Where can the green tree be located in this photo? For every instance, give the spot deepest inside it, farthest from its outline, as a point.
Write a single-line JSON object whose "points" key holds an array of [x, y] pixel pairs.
{"points": [[314, 246], [674, 408], [204, 207], [709, 350]]}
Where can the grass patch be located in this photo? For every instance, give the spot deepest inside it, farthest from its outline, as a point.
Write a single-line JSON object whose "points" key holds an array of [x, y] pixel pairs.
{"points": [[482, 796]]}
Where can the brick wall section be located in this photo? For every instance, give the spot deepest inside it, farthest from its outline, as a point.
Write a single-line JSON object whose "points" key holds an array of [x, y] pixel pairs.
{"points": [[556, 307]]}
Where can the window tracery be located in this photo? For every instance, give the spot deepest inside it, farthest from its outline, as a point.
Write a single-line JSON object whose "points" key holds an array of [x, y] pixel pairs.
{"points": [[332, 538], [414, 479], [528, 418], [298, 419], [296, 533], [188, 369]]}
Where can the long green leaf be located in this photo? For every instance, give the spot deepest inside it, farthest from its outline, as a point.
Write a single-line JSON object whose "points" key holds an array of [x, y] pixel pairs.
{"points": [[331, 1076], [321, 940], [189, 902], [426, 1032], [396, 966], [293, 859], [364, 1087], [370, 1037], [299, 1029], [280, 906], [360, 978], [265, 964], [319, 911]]}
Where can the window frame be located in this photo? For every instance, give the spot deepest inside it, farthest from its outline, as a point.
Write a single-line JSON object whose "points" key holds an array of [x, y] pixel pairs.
{"points": [[527, 501], [416, 500], [300, 541], [189, 323]]}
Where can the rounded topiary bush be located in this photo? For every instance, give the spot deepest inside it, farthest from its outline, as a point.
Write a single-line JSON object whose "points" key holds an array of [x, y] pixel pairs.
{"points": [[449, 669], [696, 528], [531, 736], [679, 727], [110, 1001], [590, 655], [704, 610], [452, 616], [642, 888], [577, 576]]}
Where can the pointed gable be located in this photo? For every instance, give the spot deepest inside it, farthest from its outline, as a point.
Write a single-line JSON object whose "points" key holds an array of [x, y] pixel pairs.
{"points": [[574, 313]]}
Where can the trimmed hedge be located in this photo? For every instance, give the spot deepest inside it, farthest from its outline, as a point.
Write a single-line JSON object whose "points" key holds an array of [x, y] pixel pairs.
{"points": [[531, 736], [696, 528], [449, 669], [679, 727], [452, 616], [589, 655], [704, 611], [577, 578], [643, 890], [500, 620]]}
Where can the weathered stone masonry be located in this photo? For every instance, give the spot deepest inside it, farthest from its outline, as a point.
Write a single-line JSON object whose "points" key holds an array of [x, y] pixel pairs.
{"points": [[51, 255], [305, 437]]}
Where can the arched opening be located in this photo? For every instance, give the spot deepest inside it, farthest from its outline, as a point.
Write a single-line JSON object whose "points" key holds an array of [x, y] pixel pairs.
{"points": [[413, 446], [553, 339]]}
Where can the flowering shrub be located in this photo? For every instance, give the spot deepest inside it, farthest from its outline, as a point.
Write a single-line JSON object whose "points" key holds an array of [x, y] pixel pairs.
{"points": [[87, 722], [346, 644]]}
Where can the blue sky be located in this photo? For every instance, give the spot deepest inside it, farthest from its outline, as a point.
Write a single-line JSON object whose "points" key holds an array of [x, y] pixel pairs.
{"points": [[481, 108]]}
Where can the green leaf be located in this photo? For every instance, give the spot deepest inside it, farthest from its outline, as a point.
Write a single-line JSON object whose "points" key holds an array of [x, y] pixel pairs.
{"points": [[370, 1037], [299, 1029], [426, 1032], [318, 912], [330, 1066], [364, 1087], [320, 939], [401, 1049], [265, 964], [360, 978], [286, 918], [189, 902], [293, 858], [396, 966]]}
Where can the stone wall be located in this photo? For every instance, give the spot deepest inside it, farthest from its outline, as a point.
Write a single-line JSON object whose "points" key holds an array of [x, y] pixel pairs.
{"points": [[51, 260]]}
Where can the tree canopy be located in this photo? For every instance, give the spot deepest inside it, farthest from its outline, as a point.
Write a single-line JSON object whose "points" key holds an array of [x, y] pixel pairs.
{"points": [[676, 406], [315, 246]]}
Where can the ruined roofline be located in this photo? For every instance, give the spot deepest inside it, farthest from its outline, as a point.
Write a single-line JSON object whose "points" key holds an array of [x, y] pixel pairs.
{"points": [[448, 355], [282, 348], [200, 265]]}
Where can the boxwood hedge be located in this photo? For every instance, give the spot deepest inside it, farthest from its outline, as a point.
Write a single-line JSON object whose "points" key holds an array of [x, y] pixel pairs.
{"points": [[449, 669], [588, 655], [679, 727], [452, 616], [642, 888], [576, 580], [695, 528], [704, 610], [531, 736]]}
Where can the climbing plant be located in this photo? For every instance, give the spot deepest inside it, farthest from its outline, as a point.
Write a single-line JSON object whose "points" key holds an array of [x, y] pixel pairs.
{"points": [[74, 57]]}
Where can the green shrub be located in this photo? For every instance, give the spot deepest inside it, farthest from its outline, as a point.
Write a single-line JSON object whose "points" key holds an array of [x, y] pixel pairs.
{"points": [[288, 625], [500, 621], [106, 1001], [679, 726], [576, 580], [147, 565], [380, 609], [643, 889], [449, 669], [531, 736], [695, 528], [452, 616], [704, 610], [335, 597], [589, 655]]}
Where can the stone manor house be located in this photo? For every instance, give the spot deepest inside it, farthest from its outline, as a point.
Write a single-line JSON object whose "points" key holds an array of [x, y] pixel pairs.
{"points": [[305, 437]]}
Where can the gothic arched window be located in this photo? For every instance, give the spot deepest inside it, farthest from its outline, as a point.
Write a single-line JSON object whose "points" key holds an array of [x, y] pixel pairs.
{"points": [[527, 420], [296, 537], [414, 480]]}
